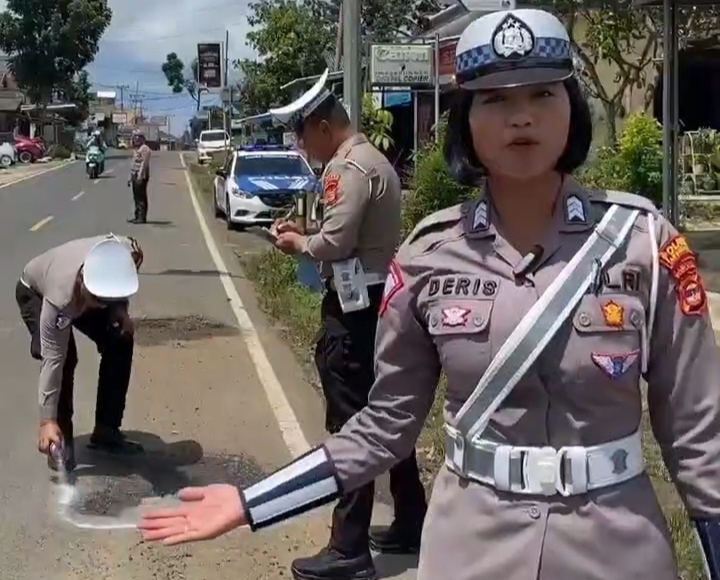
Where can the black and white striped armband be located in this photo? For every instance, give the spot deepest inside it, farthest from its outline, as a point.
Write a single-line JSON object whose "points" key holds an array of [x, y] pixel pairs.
{"points": [[305, 484]]}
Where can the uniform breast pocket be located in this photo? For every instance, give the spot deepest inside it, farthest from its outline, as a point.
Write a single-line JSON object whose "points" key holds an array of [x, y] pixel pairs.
{"points": [[609, 336], [461, 332]]}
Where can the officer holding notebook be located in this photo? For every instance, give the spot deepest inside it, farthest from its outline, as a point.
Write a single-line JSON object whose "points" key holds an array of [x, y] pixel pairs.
{"points": [[360, 232]]}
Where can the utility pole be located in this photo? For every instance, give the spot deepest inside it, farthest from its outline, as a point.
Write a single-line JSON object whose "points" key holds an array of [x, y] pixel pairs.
{"points": [[352, 72], [226, 105], [122, 89], [137, 100]]}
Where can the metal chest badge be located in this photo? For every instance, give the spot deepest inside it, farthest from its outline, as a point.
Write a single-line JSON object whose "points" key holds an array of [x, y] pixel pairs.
{"points": [[614, 314], [615, 365], [455, 317], [513, 38]]}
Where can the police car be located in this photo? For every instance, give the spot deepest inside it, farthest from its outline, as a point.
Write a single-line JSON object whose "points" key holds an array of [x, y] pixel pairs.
{"points": [[258, 184]]}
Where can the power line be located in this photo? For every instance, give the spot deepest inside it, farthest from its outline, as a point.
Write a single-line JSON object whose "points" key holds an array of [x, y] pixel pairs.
{"points": [[146, 39]]}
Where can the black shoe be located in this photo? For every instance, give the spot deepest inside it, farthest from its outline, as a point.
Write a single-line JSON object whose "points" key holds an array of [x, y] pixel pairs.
{"points": [[133, 221], [113, 441], [395, 540], [329, 564]]}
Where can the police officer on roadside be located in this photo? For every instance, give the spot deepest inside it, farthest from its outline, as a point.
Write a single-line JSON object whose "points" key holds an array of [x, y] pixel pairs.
{"points": [[361, 198], [83, 284], [547, 305], [140, 177]]}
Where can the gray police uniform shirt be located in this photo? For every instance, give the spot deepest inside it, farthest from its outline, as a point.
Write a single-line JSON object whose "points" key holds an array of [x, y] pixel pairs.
{"points": [[140, 167], [361, 209], [457, 261], [53, 276]]}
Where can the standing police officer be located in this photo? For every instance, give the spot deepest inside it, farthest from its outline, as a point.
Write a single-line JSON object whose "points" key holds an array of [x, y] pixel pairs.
{"points": [[359, 234], [86, 284], [140, 177]]}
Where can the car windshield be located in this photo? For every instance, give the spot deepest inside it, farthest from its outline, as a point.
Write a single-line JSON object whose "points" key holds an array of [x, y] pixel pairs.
{"points": [[265, 165], [213, 136]]}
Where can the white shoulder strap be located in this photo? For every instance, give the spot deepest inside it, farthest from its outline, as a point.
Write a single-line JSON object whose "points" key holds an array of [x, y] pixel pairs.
{"points": [[540, 324]]}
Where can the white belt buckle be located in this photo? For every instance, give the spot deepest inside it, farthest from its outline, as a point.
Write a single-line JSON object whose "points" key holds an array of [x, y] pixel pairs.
{"points": [[542, 470]]}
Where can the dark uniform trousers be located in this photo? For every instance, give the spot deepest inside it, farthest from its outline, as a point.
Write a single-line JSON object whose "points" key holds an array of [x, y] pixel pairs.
{"points": [[140, 197], [344, 356], [116, 352]]}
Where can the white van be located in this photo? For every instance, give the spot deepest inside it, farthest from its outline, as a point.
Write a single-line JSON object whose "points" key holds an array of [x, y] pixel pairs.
{"points": [[212, 141]]}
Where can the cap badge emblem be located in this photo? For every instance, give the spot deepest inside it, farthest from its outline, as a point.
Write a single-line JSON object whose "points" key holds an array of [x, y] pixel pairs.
{"points": [[513, 38]]}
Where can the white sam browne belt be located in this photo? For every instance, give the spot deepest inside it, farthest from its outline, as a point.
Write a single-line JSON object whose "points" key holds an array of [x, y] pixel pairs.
{"points": [[544, 470]]}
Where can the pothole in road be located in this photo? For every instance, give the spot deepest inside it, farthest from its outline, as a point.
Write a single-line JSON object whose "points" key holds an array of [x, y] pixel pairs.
{"points": [[158, 331], [110, 494]]}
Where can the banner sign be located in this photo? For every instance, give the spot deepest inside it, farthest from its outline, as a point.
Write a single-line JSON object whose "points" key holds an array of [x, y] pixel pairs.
{"points": [[210, 65]]}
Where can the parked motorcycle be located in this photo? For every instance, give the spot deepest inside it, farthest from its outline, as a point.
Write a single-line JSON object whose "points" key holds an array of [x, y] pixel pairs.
{"points": [[94, 162]]}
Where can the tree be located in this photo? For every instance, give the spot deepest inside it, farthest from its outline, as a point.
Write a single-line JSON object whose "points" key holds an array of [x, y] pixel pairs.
{"points": [[49, 42], [180, 79], [382, 20], [77, 91], [290, 41], [617, 33]]}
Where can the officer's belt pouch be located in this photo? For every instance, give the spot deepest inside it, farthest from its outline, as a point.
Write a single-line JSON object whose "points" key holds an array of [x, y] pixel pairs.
{"points": [[350, 285]]}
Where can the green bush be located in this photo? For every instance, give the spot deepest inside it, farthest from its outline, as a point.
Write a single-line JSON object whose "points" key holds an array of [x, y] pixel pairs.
{"points": [[432, 187], [59, 152], [635, 165]]}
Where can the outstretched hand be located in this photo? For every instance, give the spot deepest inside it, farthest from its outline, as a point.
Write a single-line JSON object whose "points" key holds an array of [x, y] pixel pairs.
{"points": [[205, 514]]}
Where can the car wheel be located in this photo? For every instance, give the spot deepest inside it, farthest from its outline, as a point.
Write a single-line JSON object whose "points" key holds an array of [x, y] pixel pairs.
{"points": [[228, 221], [216, 208], [25, 157], [5, 161]]}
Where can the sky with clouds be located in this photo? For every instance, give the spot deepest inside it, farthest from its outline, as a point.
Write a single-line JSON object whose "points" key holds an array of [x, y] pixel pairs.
{"points": [[143, 32]]}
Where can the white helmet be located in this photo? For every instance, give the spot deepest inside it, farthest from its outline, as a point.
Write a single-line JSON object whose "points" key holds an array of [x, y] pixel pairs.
{"points": [[109, 271]]}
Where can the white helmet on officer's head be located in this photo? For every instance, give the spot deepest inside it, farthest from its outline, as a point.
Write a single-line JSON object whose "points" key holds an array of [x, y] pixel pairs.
{"points": [[513, 48], [109, 271]]}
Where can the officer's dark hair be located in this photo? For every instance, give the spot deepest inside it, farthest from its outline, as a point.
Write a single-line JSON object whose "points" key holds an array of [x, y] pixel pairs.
{"points": [[459, 152]]}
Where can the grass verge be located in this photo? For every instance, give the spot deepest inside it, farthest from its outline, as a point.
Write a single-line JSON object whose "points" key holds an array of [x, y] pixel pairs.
{"points": [[297, 310]]}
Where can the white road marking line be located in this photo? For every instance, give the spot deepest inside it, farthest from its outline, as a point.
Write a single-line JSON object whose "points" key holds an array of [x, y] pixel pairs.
{"points": [[41, 223], [9, 183], [78, 196], [286, 419]]}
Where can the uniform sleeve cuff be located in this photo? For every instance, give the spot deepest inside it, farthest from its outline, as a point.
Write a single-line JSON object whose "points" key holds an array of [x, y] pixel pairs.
{"points": [[48, 412], [307, 483]]}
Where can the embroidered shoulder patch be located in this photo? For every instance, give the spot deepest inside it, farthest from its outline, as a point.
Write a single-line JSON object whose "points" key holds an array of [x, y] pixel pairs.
{"points": [[393, 284], [677, 257], [331, 190]]}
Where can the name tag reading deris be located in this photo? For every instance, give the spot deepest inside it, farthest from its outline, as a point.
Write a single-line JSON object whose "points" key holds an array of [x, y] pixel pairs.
{"points": [[460, 285]]}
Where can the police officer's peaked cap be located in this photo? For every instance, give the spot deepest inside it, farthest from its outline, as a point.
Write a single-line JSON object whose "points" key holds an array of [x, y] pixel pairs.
{"points": [[294, 114], [109, 271], [513, 48], [138, 133]]}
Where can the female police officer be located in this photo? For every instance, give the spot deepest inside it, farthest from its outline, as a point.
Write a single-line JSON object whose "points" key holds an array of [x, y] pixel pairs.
{"points": [[558, 300]]}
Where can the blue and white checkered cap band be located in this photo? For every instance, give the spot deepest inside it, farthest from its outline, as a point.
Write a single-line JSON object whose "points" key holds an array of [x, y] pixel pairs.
{"points": [[469, 62]]}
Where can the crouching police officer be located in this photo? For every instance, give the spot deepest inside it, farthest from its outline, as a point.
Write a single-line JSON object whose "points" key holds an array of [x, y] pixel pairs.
{"points": [[359, 234], [86, 284], [140, 177]]}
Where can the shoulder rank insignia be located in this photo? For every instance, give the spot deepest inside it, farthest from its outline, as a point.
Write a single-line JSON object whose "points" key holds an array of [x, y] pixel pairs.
{"points": [[575, 210], [481, 219]]}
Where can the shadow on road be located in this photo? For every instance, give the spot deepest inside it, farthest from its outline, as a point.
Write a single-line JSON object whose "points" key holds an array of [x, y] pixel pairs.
{"points": [[108, 484], [390, 566], [161, 223]]}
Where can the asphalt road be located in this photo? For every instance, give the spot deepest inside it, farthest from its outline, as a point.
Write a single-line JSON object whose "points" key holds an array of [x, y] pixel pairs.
{"points": [[215, 395]]}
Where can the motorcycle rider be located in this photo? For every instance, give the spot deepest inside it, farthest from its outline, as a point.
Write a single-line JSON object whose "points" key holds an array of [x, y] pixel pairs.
{"points": [[96, 140]]}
